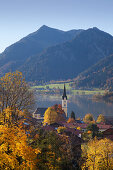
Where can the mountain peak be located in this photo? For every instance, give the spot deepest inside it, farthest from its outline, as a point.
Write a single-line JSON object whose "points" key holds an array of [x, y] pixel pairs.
{"points": [[95, 28], [44, 26]]}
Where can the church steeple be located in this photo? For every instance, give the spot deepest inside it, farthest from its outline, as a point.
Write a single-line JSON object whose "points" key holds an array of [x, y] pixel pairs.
{"points": [[64, 93], [64, 101]]}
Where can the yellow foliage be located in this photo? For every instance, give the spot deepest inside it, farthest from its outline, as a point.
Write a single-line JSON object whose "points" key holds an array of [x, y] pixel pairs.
{"points": [[7, 116], [50, 116], [99, 155], [61, 129], [15, 92], [14, 150], [79, 128], [89, 118], [100, 119]]}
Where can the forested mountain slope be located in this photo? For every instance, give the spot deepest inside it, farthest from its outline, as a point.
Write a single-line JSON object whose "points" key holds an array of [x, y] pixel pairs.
{"points": [[99, 75], [18, 53], [66, 61]]}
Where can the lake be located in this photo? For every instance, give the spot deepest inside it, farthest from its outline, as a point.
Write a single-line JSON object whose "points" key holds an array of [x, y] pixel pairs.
{"points": [[80, 104]]}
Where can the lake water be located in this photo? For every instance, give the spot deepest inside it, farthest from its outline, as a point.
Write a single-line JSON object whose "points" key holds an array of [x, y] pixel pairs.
{"points": [[80, 104]]}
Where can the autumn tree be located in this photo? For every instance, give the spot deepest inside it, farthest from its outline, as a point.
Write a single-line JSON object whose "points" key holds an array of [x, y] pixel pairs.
{"points": [[54, 114], [61, 129], [88, 118], [71, 120], [53, 152], [98, 155], [58, 108], [50, 116], [10, 117], [100, 119], [15, 153], [15, 93]]}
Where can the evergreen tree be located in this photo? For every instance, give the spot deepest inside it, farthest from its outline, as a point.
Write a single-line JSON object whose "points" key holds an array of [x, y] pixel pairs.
{"points": [[93, 128], [73, 115]]}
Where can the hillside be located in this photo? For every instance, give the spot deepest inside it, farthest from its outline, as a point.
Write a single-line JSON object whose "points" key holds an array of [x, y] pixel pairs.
{"points": [[99, 75], [18, 53], [66, 61]]}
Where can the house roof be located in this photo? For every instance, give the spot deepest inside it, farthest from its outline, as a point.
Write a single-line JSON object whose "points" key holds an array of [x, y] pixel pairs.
{"points": [[48, 128], [73, 131], [108, 131], [104, 126], [40, 111], [84, 126]]}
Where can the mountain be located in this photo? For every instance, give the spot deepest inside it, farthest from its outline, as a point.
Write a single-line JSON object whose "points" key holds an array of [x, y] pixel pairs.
{"points": [[17, 54], [67, 60], [99, 75], [51, 54]]}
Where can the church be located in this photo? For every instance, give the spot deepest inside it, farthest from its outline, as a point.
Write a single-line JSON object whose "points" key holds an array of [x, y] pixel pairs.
{"points": [[39, 112], [64, 101]]}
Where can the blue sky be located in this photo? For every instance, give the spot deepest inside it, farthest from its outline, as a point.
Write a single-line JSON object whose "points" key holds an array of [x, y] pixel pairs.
{"points": [[18, 18]]}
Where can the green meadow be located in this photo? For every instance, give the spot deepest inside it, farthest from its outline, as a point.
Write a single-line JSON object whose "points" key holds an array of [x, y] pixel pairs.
{"points": [[68, 88], [51, 86]]}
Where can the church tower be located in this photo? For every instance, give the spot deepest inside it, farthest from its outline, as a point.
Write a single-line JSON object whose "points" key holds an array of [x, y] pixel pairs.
{"points": [[64, 101]]}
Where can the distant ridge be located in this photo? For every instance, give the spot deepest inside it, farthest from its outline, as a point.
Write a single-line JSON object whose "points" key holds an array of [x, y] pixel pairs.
{"points": [[67, 60], [51, 54], [18, 53]]}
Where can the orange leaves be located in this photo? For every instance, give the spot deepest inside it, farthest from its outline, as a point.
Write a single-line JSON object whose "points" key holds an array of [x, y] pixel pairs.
{"points": [[71, 120], [89, 131], [58, 108]]}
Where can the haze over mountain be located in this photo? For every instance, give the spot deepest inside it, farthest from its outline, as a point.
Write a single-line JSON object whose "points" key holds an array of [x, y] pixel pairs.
{"points": [[99, 75], [51, 54], [15, 55]]}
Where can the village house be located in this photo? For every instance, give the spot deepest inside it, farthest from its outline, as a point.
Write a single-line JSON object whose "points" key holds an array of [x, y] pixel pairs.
{"points": [[83, 126], [108, 133], [39, 114]]}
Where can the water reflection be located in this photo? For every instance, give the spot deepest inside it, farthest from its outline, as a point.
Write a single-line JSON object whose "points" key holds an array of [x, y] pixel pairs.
{"points": [[80, 104]]}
